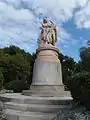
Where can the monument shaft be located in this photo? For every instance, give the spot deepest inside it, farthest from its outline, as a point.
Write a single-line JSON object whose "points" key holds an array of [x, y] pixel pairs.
{"points": [[47, 67]]}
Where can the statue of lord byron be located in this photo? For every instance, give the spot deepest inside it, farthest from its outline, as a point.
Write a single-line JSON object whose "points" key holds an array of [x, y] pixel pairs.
{"points": [[48, 33]]}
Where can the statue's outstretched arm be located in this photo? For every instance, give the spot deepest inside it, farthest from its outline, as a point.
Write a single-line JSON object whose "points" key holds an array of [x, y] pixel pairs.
{"points": [[52, 22]]}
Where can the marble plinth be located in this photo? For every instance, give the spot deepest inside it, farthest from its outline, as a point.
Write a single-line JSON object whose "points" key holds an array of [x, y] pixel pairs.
{"points": [[47, 74], [21, 107], [47, 67]]}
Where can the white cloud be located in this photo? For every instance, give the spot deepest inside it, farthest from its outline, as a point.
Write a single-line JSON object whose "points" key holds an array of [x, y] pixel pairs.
{"points": [[55, 9], [65, 46], [82, 17], [20, 20], [63, 35], [18, 26]]}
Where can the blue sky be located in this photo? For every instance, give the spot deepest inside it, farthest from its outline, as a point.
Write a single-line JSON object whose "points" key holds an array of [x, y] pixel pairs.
{"points": [[20, 22]]}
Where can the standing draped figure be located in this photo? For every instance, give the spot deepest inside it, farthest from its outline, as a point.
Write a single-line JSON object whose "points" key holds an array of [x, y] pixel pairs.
{"points": [[48, 33]]}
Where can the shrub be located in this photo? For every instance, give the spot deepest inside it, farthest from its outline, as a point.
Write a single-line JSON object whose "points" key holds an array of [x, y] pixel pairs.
{"points": [[2, 111], [1, 80], [79, 85], [73, 112], [17, 86]]}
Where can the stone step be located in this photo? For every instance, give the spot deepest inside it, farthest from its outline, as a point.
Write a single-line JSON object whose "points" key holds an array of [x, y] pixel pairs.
{"points": [[21, 99], [34, 107], [46, 93], [47, 87], [19, 115]]}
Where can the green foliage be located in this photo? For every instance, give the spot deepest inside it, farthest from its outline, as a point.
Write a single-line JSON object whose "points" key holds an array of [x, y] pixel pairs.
{"points": [[76, 76], [15, 64], [85, 57], [79, 85], [68, 66], [73, 112], [17, 85], [32, 65], [1, 80]]}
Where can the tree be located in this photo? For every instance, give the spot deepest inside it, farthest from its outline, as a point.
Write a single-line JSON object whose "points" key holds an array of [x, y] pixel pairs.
{"points": [[68, 66], [79, 85], [79, 81], [17, 85], [1, 80], [32, 65], [85, 57], [15, 64]]}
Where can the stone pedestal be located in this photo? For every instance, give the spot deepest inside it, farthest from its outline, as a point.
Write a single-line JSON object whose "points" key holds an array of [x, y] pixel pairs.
{"points": [[47, 67], [47, 73]]}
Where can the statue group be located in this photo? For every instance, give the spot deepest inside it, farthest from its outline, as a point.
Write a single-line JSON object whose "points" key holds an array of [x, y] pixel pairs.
{"points": [[48, 33]]}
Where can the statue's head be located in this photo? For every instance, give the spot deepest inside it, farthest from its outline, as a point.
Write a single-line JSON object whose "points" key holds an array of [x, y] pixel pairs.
{"points": [[45, 20]]}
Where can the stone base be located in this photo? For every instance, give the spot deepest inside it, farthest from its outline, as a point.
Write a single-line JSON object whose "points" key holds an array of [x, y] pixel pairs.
{"points": [[47, 67], [46, 94], [46, 90], [47, 74], [20, 107]]}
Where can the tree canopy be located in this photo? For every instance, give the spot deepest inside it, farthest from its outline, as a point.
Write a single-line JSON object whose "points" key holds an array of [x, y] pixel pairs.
{"points": [[15, 64], [79, 81]]}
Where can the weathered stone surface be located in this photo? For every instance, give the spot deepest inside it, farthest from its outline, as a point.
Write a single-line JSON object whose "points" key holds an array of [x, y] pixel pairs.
{"points": [[47, 88], [48, 33], [20, 107], [54, 93], [34, 107], [46, 50], [16, 106], [12, 117], [19, 115], [47, 73], [21, 99], [47, 67]]}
